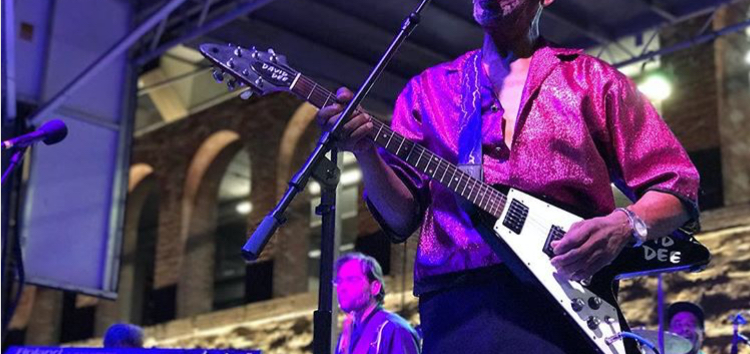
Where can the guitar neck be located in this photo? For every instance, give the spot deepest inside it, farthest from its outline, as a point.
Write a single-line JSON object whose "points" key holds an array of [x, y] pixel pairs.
{"points": [[447, 174]]}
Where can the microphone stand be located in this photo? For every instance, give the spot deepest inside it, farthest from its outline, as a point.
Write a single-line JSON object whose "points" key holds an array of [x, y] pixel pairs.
{"points": [[10, 300], [737, 337], [327, 173], [14, 161]]}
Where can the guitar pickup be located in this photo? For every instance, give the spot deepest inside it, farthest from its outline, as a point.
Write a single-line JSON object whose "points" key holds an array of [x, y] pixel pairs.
{"points": [[515, 218], [555, 233]]}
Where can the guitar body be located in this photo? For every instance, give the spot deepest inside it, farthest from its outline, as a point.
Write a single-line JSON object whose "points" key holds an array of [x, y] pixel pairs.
{"points": [[521, 236], [521, 227]]}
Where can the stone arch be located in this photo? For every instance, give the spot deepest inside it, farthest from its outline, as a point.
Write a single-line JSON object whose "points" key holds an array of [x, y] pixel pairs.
{"points": [[199, 221], [136, 259], [293, 131], [289, 249]]}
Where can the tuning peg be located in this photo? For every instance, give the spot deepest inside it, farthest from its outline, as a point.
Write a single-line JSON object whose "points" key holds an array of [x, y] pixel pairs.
{"points": [[238, 51], [259, 82], [245, 95], [274, 57], [218, 75], [230, 63], [245, 72], [231, 84]]}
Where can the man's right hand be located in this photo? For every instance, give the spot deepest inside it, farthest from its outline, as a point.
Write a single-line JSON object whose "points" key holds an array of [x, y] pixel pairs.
{"points": [[353, 134]]}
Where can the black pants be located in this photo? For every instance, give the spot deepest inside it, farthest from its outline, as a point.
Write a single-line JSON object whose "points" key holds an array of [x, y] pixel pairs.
{"points": [[498, 314]]}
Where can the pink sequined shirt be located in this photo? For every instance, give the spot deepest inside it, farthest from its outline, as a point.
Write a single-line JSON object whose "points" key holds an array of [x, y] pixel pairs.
{"points": [[581, 125]]}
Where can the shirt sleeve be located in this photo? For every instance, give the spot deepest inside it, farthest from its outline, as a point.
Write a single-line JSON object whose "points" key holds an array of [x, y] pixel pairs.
{"points": [[645, 153], [407, 122]]}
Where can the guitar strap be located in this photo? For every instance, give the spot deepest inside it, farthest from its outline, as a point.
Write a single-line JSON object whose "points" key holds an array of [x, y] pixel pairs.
{"points": [[470, 123]]}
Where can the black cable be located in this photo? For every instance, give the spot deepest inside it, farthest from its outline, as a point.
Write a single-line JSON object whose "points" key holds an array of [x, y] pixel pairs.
{"points": [[21, 275]]}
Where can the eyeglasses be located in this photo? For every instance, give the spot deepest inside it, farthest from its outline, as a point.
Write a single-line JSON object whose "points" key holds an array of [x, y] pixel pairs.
{"points": [[347, 280]]}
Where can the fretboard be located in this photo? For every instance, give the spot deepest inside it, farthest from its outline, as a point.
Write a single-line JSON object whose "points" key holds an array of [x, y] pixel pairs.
{"points": [[447, 174]]}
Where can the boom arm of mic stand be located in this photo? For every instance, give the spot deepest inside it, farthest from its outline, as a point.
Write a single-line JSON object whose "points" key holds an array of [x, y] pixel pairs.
{"points": [[252, 249]]}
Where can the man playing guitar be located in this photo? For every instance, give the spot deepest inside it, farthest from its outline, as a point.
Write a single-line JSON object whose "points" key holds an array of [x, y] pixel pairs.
{"points": [[555, 123]]}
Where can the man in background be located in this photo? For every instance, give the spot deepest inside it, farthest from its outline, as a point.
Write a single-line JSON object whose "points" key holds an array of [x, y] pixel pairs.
{"points": [[368, 328], [687, 320]]}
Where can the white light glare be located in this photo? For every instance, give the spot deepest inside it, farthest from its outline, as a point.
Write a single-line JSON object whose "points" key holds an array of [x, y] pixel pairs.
{"points": [[244, 207], [656, 87]]}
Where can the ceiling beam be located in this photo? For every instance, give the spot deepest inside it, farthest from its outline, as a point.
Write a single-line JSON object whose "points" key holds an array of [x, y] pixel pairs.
{"points": [[411, 59], [200, 30]]}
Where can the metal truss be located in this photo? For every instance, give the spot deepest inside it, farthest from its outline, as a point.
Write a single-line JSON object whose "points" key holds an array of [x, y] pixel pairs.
{"points": [[193, 20], [703, 35]]}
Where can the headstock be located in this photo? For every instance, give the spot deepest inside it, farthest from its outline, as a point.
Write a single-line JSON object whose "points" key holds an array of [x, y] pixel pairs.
{"points": [[263, 72]]}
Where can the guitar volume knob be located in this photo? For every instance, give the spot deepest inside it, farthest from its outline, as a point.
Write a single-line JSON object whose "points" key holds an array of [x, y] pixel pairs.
{"points": [[593, 322], [595, 302], [577, 305]]}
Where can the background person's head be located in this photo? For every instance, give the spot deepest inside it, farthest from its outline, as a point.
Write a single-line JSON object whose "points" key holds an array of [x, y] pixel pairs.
{"points": [[123, 335], [687, 320], [359, 282]]}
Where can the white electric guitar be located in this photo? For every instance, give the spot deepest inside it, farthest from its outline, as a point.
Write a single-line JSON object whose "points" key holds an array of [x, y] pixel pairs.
{"points": [[524, 226]]}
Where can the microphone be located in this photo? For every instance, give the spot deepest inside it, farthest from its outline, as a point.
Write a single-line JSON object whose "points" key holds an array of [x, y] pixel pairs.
{"points": [[51, 132]]}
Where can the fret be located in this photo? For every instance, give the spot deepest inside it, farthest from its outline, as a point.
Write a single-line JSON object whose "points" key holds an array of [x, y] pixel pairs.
{"points": [[420, 157], [389, 141], [379, 129], [294, 82], [429, 170], [482, 195], [315, 84], [493, 206], [410, 151], [475, 189], [486, 201], [453, 175], [444, 172], [399, 145], [490, 201]]}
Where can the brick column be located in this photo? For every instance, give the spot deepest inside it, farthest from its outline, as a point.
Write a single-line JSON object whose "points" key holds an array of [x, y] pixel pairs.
{"points": [[733, 75], [46, 318], [692, 110]]}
